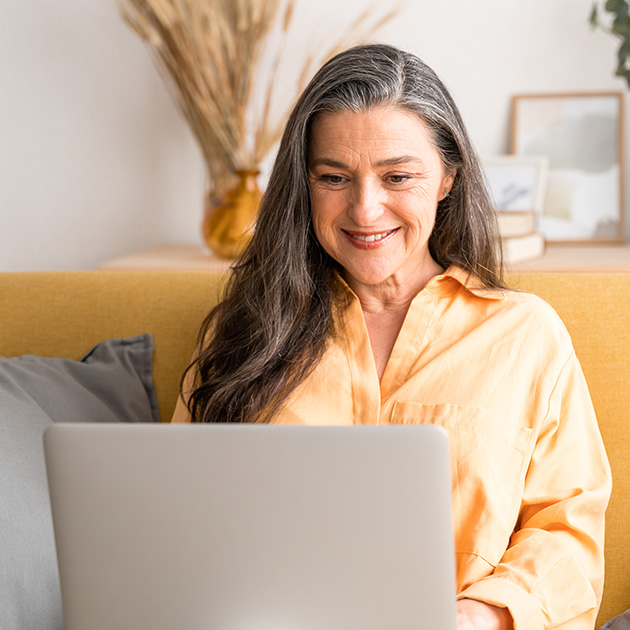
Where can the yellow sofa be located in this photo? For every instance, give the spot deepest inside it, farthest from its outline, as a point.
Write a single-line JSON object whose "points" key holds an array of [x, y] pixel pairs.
{"points": [[66, 313]]}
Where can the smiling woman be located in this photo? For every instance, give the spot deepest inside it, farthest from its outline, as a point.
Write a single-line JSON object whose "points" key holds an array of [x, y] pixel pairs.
{"points": [[375, 181], [371, 293], [375, 109]]}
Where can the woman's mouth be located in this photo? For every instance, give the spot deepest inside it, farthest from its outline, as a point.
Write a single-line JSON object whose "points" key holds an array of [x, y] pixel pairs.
{"points": [[365, 240]]}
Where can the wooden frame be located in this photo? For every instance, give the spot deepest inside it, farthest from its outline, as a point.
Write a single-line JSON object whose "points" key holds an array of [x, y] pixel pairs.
{"points": [[581, 135]]}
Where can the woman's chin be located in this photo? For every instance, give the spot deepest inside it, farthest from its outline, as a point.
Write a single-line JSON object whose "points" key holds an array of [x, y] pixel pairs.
{"points": [[368, 277], [403, 276]]}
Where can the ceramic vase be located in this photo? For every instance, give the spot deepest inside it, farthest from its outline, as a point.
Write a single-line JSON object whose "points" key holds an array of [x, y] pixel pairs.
{"points": [[229, 224]]}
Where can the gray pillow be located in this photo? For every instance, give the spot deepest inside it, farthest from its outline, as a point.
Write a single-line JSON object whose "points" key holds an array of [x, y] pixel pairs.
{"points": [[112, 383], [620, 622]]}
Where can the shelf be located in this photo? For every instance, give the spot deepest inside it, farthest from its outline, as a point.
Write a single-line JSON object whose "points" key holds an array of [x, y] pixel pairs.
{"points": [[614, 257], [169, 257], [567, 258]]}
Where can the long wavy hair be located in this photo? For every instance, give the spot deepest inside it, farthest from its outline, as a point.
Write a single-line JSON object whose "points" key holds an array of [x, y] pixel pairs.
{"points": [[271, 329]]}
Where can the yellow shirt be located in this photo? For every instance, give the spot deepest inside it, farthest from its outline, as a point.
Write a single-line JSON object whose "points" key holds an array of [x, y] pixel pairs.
{"points": [[531, 480]]}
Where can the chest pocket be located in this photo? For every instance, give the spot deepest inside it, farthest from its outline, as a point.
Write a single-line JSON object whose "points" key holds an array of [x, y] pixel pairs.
{"points": [[489, 457]]}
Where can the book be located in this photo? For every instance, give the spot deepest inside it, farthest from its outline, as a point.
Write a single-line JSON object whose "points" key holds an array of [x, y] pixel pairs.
{"points": [[516, 222], [524, 247]]}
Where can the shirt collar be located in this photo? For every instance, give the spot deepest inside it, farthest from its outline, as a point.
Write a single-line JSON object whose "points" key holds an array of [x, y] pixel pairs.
{"points": [[465, 279], [438, 284]]}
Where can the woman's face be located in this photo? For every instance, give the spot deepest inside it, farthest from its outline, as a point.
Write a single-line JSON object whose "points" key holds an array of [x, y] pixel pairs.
{"points": [[375, 181]]}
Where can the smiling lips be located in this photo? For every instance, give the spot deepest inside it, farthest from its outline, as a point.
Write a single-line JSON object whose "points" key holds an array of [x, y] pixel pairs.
{"points": [[361, 240]]}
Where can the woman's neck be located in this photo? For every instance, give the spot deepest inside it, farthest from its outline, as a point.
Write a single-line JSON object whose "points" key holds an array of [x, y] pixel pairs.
{"points": [[384, 309], [394, 295]]}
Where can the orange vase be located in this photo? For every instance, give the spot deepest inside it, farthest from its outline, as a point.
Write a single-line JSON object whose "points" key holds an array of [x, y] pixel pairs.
{"points": [[228, 226]]}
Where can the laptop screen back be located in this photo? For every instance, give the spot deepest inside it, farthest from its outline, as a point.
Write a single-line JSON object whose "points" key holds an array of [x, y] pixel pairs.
{"points": [[246, 527]]}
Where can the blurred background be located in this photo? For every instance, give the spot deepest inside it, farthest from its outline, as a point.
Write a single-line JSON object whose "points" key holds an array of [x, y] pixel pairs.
{"points": [[96, 161]]}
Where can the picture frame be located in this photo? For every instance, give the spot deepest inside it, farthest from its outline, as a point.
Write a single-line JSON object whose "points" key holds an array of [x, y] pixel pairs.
{"points": [[517, 182], [581, 136]]}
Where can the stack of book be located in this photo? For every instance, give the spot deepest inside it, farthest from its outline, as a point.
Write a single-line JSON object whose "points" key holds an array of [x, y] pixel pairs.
{"points": [[521, 241], [517, 184]]}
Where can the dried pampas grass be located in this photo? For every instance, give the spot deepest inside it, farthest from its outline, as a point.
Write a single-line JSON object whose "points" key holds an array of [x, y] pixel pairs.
{"points": [[211, 53]]}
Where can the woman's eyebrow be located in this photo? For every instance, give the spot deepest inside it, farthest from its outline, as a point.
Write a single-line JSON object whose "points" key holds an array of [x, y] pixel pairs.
{"points": [[393, 161], [402, 159], [324, 161]]}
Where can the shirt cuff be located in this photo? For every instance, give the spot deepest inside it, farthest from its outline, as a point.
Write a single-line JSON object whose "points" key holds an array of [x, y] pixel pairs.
{"points": [[524, 608]]}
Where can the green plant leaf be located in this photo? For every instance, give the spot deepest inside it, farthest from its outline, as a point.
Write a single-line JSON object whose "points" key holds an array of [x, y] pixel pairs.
{"points": [[623, 73], [622, 27], [614, 5], [622, 67], [622, 13]]}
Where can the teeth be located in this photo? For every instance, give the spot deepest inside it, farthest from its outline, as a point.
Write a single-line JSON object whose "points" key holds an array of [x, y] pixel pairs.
{"points": [[372, 237]]}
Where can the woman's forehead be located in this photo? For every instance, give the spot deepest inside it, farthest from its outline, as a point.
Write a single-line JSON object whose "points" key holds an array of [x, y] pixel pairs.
{"points": [[388, 133]]}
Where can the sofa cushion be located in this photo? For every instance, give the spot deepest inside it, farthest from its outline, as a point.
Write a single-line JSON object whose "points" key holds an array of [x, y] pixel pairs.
{"points": [[111, 383], [620, 622]]}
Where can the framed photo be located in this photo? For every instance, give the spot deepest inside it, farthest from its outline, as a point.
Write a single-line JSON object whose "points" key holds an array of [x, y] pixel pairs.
{"points": [[581, 136], [517, 183]]}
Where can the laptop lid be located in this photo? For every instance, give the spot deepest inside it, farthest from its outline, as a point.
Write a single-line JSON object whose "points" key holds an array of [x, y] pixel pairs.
{"points": [[248, 527]]}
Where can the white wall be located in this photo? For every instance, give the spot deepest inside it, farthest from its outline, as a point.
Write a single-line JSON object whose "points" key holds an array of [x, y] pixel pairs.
{"points": [[95, 161]]}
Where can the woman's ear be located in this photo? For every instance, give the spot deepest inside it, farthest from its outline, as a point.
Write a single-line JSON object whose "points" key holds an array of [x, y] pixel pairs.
{"points": [[447, 184]]}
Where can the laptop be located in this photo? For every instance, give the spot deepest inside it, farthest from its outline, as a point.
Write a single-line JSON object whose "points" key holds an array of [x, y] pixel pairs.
{"points": [[249, 527]]}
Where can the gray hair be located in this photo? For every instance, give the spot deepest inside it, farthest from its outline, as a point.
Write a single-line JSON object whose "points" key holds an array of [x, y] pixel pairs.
{"points": [[379, 75], [270, 331]]}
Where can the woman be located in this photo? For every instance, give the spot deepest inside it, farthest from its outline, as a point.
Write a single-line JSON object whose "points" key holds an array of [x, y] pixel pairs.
{"points": [[372, 293]]}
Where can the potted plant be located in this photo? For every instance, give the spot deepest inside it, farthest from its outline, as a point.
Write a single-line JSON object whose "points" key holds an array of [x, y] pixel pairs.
{"points": [[619, 27]]}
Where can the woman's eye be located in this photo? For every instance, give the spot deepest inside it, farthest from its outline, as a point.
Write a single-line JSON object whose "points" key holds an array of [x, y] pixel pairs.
{"points": [[397, 179], [333, 179]]}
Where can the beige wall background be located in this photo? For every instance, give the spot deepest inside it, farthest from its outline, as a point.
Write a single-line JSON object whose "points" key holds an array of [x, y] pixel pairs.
{"points": [[95, 161]]}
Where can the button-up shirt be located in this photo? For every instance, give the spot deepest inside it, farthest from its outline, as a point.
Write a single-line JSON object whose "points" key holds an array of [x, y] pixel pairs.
{"points": [[496, 369]]}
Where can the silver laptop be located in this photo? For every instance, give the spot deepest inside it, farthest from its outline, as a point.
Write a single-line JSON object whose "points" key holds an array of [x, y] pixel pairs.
{"points": [[246, 527]]}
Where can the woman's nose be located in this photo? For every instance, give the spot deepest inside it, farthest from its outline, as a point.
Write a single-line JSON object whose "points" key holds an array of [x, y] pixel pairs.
{"points": [[366, 203]]}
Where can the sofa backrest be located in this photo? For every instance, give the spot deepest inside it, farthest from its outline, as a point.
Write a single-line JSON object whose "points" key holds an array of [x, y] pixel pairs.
{"points": [[66, 313], [596, 311]]}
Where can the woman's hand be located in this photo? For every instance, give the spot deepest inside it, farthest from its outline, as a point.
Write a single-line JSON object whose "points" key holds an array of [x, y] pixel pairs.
{"points": [[474, 615]]}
